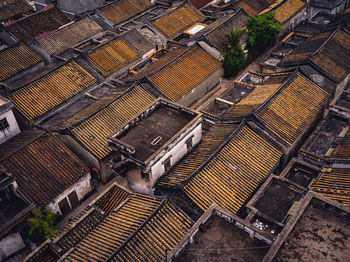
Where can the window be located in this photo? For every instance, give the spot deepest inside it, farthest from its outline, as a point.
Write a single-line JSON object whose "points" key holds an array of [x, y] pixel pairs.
{"points": [[167, 164], [189, 144], [3, 124]]}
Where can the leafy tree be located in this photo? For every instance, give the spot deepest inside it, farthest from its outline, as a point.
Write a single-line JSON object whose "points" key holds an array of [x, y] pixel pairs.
{"points": [[262, 30], [233, 52], [42, 225]]}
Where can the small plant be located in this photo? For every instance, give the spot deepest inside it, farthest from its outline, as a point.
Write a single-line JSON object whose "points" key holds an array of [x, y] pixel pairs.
{"points": [[42, 224]]}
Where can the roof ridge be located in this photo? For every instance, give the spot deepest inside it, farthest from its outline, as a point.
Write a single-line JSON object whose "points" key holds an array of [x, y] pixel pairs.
{"points": [[155, 212], [325, 42]]}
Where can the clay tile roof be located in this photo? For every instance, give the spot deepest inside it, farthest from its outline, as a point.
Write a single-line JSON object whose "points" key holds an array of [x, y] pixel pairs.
{"points": [[329, 59], [12, 9], [93, 131], [285, 9], [101, 243], [17, 58], [254, 7], [159, 235], [177, 21], [53, 89], [199, 3], [184, 73], [333, 183], [234, 173], [123, 10], [211, 141], [62, 39], [38, 23], [113, 56], [44, 168], [289, 112], [217, 36]]}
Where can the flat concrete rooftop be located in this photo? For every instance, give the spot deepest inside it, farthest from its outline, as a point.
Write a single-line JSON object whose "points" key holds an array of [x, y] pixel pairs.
{"points": [[153, 131], [319, 235]]}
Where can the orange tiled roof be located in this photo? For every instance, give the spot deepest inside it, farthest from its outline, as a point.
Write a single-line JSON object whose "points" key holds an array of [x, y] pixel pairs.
{"points": [[288, 9], [123, 10], [175, 22], [254, 7], [333, 183], [113, 56], [232, 176], [44, 94], [16, 59], [183, 74], [93, 132], [293, 108]]}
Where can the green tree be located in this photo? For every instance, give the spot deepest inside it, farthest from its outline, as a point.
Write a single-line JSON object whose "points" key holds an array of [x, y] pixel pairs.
{"points": [[262, 30], [42, 224], [233, 52]]}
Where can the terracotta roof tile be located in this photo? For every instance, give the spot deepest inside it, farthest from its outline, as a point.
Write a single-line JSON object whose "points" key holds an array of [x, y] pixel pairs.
{"points": [[293, 108], [177, 21], [184, 73], [44, 169], [44, 94], [123, 10], [14, 8], [234, 173], [16, 59], [93, 132], [112, 56], [62, 39]]}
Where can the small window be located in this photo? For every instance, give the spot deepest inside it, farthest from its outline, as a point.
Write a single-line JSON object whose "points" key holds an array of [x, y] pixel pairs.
{"points": [[167, 164], [189, 144], [3, 124]]}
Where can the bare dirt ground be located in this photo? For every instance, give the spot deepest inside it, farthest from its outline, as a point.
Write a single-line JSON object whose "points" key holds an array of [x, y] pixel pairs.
{"points": [[317, 236], [222, 241]]}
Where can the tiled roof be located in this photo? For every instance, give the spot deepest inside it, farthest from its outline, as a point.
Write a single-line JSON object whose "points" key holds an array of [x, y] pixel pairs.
{"points": [[115, 230], [44, 94], [289, 112], [15, 143], [81, 229], [305, 49], [139, 41], [38, 23], [112, 56], [112, 199], [13, 9], [254, 7], [328, 58], [199, 3], [16, 59], [44, 169], [342, 150], [211, 141], [234, 173], [217, 36], [93, 132], [44, 254], [157, 237], [184, 73], [177, 21], [123, 10], [69, 36], [334, 184], [288, 9]]}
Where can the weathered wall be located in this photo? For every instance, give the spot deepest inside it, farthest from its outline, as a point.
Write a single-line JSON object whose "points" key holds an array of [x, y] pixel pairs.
{"points": [[13, 128], [10, 245], [202, 89], [175, 154]]}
